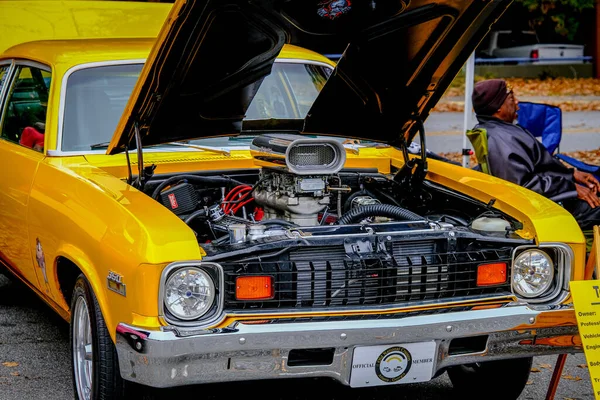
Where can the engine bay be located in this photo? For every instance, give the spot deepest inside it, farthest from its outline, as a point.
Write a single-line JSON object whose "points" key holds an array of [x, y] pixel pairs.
{"points": [[301, 189]]}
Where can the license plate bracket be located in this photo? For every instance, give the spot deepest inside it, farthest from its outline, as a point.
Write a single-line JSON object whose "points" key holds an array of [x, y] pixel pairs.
{"points": [[392, 364]]}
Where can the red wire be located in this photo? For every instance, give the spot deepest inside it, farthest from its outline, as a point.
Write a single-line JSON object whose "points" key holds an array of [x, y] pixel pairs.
{"points": [[232, 193], [229, 198], [236, 208], [237, 189], [241, 201]]}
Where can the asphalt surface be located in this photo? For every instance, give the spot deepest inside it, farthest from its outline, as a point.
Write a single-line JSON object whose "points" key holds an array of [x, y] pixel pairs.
{"points": [[581, 129], [35, 364]]}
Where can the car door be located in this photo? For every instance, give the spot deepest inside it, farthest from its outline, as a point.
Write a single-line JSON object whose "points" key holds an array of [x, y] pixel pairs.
{"points": [[25, 94]]}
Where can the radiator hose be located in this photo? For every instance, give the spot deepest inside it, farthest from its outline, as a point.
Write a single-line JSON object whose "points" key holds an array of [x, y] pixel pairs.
{"points": [[378, 210]]}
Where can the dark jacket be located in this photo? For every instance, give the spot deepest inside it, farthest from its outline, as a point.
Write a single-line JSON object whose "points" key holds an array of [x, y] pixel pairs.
{"points": [[517, 156]]}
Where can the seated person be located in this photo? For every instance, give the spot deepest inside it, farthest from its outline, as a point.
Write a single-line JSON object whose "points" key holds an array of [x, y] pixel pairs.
{"points": [[33, 137], [517, 156]]}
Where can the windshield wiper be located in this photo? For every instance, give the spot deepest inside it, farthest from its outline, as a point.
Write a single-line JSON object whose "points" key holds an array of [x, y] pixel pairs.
{"points": [[102, 145], [217, 150]]}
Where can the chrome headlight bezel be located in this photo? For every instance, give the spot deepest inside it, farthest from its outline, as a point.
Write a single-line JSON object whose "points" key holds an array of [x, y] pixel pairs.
{"points": [[214, 313], [561, 256]]}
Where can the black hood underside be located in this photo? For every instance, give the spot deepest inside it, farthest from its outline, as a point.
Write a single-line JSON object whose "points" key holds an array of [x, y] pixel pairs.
{"points": [[211, 56]]}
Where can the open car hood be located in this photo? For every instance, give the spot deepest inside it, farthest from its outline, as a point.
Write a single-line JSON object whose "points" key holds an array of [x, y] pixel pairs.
{"points": [[399, 56]]}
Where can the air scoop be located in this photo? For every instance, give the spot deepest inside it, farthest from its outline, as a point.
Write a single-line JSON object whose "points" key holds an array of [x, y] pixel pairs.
{"points": [[300, 155], [294, 181]]}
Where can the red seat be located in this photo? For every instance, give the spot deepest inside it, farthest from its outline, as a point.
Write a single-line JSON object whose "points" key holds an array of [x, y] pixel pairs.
{"points": [[32, 138]]}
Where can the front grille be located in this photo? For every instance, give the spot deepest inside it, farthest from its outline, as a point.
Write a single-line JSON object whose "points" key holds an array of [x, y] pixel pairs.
{"points": [[319, 277]]}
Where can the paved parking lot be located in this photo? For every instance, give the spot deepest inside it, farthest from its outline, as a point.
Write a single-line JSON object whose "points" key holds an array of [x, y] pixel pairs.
{"points": [[35, 364], [444, 131]]}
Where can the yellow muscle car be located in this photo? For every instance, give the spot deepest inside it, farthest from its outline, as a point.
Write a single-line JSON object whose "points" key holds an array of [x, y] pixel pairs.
{"points": [[219, 204]]}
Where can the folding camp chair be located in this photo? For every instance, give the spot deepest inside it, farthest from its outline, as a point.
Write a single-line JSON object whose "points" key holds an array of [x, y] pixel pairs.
{"points": [[545, 121], [478, 139]]}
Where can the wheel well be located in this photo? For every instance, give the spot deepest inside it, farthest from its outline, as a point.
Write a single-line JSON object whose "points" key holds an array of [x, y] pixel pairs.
{"points": [[67, 273]]}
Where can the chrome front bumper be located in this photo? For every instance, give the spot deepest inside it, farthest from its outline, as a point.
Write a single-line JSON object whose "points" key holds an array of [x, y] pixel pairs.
{"points": [[262, 351]]}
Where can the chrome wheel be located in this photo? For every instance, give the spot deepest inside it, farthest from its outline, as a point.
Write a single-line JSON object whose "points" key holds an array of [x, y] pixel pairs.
{"points": [[82, 348]]}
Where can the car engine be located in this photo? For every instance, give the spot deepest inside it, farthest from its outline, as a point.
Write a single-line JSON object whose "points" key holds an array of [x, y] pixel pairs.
{"points": [[301, 184]]}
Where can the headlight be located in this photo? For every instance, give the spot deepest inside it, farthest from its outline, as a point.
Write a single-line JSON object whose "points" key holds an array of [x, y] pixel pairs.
{"points": [[189, 293], [533, 273]]}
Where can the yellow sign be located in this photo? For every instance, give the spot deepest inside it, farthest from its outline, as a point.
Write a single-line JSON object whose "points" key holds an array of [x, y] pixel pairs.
{"points": [[586, 299]]}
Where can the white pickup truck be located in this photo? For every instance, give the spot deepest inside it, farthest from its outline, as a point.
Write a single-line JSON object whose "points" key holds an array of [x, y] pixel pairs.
{"points": [[524, 45]]}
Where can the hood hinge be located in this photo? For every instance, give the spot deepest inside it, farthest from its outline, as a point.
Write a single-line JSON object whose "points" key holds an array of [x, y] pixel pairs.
{"points": [[129, 174], [144, 174], [413, 172]]}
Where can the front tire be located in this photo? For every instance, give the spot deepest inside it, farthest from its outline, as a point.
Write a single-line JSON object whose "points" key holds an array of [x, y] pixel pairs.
{"points": [[95, 365], [473, 380]]}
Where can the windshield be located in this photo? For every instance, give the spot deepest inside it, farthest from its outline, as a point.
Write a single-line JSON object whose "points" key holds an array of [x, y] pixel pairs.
{"points": [[96, 98], [94, 101], [288, 92]]}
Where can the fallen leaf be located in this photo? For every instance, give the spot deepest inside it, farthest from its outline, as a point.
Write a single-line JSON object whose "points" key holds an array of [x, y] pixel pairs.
{"points": [[529, 383], [539, 87], [569, 398], [582, 365], [547, 366], [535, 370], [572, 378], [10, 364], [587, 156], [15, 373]]}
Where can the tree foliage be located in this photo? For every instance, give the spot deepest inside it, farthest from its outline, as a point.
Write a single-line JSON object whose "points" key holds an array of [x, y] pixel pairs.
{"points": [[560, 18]]}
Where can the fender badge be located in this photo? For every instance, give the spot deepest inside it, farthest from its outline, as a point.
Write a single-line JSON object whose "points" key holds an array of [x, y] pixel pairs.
{"points": [[115, 283], [41, 261]]}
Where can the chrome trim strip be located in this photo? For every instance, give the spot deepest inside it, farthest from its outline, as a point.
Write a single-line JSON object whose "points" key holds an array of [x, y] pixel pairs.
{"points": [[219, 295], [58, 153], [30, 63], [63, 95], [8, 80], [398, 308], [563, 275]]}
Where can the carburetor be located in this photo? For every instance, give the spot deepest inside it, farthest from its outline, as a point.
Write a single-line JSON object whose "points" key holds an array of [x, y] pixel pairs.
{"points": [[298, 199], [298, 191]]}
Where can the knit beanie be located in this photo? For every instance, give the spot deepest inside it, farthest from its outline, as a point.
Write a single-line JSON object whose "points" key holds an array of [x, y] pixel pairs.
{"points": [[489, 95]]}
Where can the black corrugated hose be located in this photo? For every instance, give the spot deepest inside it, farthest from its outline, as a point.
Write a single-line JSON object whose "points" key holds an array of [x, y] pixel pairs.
{"points": [[378, 210]]}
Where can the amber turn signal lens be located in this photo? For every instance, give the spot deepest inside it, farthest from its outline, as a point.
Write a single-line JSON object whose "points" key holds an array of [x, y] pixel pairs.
{"points": [[491, 274], [253, 288]]}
